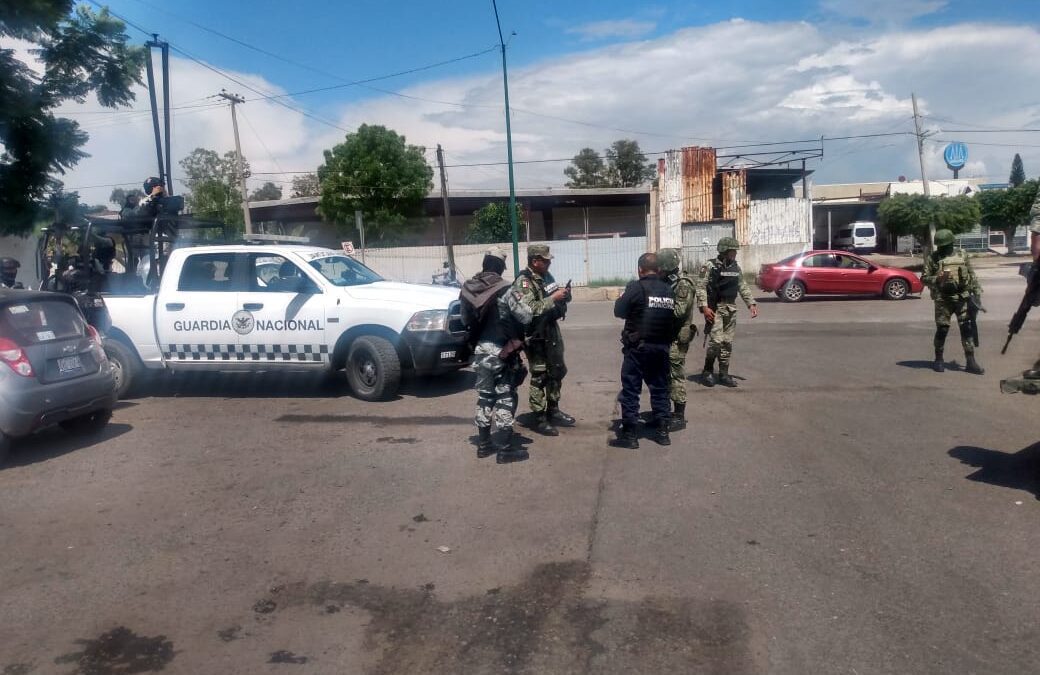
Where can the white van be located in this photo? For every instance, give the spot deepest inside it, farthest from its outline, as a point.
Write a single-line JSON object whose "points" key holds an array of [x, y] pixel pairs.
{"points": [[859, 237]]}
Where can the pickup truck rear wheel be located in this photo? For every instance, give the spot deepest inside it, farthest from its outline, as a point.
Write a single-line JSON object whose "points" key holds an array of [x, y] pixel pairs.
{"points": [[127, 366], [373, 368]]}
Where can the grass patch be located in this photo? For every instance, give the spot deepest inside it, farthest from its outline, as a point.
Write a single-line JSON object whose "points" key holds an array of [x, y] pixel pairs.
{"points": [[613, 281]]}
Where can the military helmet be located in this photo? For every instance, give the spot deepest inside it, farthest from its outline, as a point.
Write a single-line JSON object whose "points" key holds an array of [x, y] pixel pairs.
{"points": [[151, 183], [943, 238], [668, 259], [728, 244]]}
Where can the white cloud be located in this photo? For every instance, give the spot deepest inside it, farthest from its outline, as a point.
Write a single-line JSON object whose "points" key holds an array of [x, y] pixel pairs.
{"points": [[618, 28], [727, 83]]}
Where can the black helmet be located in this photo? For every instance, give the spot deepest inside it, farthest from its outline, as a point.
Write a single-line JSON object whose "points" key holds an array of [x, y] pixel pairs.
{"points": [[151, 183]]}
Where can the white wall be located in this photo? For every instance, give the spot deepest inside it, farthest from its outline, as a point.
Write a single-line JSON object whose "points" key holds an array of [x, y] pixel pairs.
{"points": [[670, 204], [778, 221]]}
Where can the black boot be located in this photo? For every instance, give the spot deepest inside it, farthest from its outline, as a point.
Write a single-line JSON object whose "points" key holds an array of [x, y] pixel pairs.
{"points": [[678, 421], [559, 417], [707, 378], [508, 455], [939, 365], [503, 441], [544, 426], [626, 438], [972, 365], [484, 448], [725, 379], [661, 434]]}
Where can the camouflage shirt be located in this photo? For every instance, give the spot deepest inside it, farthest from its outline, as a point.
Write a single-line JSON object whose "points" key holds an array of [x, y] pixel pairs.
{"points": [[1034, 215], [962, 280], [529, 289], [714, 270]]}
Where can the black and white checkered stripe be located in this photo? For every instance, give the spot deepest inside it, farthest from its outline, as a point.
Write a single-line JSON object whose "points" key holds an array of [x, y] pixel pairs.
{"points": [[226, 352]]}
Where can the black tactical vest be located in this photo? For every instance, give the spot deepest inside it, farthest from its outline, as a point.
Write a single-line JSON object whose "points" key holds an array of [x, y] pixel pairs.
{"points": [[727, 281], [652, 318]]}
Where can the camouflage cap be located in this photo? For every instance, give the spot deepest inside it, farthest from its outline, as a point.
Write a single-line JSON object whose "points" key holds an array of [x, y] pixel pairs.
{"points": [[539, 251], [496, 252]]}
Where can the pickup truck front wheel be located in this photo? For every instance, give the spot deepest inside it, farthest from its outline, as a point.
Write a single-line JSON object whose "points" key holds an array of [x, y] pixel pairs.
{"points": [[127, 367], [373, 368]]}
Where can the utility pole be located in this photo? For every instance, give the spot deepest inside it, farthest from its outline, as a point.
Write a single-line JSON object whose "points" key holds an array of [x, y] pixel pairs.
{"points": [[235, 98], [447, 213], [509, 150], [920, 156]]}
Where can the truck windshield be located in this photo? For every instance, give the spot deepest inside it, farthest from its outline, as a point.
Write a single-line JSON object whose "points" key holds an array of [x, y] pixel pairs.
{"points": [[341, 270]]}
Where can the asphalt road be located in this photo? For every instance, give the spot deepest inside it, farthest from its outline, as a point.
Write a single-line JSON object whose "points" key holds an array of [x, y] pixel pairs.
{"points": [[845, 510]]}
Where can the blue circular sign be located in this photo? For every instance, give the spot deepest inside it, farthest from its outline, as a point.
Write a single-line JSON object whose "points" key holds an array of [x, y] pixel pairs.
{"points": [[956, 155]]}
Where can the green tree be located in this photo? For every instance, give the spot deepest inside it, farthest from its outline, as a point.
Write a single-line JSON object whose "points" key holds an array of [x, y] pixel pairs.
{"points": [[81, 53], [491, 224], [266, 192], [627, 165], [212, 183], [376, 172], [587, 170], [912, 214], [306, 185], [119, 195], [1007, 210], [1018, 172], [65, 207]]}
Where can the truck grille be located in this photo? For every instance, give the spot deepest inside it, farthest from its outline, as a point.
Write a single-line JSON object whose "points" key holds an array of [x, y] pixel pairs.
{"points": [[455, 326]]}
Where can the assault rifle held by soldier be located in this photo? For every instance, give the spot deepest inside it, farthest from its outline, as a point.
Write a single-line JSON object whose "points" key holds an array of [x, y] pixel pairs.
{"points": [[1030, 299]]}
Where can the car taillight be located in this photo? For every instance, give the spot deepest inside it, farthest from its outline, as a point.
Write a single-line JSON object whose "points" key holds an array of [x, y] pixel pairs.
{"points": [[95, 344], [15, 357]]}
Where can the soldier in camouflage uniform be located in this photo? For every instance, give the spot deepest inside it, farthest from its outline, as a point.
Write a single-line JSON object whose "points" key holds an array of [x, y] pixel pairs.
{"points": [[950, 278], [719, 283], [685, 291], [547, 302], [496, 357]]}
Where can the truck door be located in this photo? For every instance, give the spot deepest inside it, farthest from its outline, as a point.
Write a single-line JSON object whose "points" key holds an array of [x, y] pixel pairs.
{"points": [[196, 318], [288, 311]]}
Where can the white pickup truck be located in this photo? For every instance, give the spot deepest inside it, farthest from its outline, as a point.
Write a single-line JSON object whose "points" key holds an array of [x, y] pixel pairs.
{"points": [[249, 307]]}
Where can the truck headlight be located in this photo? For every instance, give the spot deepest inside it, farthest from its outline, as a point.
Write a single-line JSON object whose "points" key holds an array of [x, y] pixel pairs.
{"points": [[430, 319]]}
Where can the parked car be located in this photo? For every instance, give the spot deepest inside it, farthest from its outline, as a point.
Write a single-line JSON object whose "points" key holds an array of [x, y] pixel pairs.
{"points": [[859, 237], [53, 368], [835, 273]]}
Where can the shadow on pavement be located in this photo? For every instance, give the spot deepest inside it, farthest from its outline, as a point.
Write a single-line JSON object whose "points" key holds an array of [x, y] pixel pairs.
{"points": [[1018, 471], [810, 299], [445, 384], [53, 443], [927, 365]]}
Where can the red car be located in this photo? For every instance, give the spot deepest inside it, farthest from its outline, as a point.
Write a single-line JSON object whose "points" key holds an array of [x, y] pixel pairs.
{"points": [[835, 273]]}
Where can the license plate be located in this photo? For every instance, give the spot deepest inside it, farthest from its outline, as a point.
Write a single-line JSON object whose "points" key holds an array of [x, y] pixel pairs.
{"points": [[69, 363], [447, 355]]}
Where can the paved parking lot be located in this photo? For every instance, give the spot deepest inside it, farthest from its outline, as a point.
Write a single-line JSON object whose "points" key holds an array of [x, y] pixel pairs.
{"points": [[845, 510]]}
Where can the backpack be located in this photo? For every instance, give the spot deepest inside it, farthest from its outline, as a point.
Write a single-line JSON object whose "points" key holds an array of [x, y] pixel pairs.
{"points": [[477, 300]]}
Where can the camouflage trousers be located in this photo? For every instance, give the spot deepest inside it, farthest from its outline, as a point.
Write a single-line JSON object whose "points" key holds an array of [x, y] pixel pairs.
{"points": [[547, 373], [723, 332], [497, 381], [677, 371], [945, 309]]}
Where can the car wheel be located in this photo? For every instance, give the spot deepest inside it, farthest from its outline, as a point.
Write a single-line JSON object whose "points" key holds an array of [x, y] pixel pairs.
{"points": [[793, 291], [91, 423], [5, 447], [125, 364], [373, 368], [896, 289], [779, 293]]}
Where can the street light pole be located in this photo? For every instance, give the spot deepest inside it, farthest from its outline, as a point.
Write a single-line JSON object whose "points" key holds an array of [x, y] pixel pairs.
{"points": [[234, 98], [509, 151]]}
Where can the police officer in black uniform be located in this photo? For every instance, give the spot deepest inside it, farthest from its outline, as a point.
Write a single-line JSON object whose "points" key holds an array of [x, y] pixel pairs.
{"points": [[9, 273], [648, 308]]}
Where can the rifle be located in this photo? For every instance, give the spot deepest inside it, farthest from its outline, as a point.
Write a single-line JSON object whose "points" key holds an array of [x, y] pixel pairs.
{"points": [[713, 304], [974, 307], [1030, 298]]}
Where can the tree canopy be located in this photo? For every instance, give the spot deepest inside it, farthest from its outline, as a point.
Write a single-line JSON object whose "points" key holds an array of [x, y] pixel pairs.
{"points": [[306, 185], [81, 53], [119, 195], [625, 166], [1007, 210], [212, 183], [266, 192], [1018, 172], [912, 214], [491, 224], [587, 170], [377, 172]]}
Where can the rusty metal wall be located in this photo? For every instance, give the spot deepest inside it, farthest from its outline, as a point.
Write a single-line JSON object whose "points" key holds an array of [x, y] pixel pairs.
{"points": [[735, 202], [698, 173]]}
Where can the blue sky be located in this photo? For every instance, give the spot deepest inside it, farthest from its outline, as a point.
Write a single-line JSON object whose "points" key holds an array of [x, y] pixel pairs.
{"points": [[587, 73], [367, 38]]}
